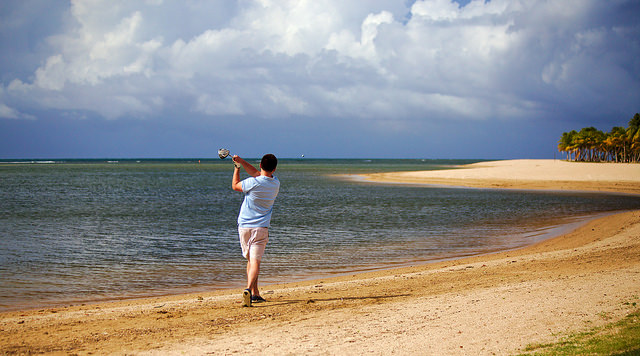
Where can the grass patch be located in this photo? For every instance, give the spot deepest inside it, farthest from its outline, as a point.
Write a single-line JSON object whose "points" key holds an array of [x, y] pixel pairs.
{"points": [[619, 338]]}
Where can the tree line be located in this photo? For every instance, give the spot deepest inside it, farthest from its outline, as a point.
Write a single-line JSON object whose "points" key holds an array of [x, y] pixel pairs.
{"points": [[592, 145]]}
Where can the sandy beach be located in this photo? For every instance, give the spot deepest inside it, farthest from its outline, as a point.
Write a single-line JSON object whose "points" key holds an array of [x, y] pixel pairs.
{"points": [[492, 304], [527, 174]]}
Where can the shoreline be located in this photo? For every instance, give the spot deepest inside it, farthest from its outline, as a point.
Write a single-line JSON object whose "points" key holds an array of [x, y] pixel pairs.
{"points": [[551, 232], [499, 302], [491, 303]]}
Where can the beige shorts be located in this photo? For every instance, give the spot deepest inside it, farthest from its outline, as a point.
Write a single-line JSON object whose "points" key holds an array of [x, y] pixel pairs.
{"points": [[253, 241]]}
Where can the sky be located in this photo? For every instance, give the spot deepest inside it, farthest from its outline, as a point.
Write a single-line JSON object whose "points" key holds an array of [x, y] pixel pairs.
{"points": [[322, 78]]}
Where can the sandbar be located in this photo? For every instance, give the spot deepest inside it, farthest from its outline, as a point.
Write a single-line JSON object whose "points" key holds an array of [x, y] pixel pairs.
{"points": [[544, 174]]}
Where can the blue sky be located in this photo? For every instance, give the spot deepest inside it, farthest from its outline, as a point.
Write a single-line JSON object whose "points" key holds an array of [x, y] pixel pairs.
{"points": [[353, 79]]}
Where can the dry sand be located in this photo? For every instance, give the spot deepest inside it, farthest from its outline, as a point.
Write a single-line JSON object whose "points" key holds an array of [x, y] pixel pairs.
{"points": [[491, 304], [528, 174]]}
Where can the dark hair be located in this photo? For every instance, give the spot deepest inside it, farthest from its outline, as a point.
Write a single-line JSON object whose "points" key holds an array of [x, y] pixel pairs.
{"points": [[269, 162]]}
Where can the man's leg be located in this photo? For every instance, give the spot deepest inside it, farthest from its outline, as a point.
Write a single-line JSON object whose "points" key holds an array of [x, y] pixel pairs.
{"points": [[253, 270]]}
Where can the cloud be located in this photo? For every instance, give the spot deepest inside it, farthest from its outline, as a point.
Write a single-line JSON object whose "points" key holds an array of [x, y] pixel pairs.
{"points": [[11, 113], [8, 113], [374, 60]]}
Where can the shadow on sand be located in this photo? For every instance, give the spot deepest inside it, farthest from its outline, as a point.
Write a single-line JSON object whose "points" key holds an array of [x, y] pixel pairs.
{"points": [[319, 300]]}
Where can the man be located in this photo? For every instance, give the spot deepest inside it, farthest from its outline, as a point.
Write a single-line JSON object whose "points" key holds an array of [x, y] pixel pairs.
{"points": [[260, 191]]}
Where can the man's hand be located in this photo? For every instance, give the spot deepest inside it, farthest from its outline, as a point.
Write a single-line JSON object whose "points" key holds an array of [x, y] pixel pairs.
{"points": [[251, 170]]}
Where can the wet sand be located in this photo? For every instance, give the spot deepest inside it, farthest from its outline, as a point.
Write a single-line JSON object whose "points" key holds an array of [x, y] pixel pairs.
{"points": [[497, 303]]}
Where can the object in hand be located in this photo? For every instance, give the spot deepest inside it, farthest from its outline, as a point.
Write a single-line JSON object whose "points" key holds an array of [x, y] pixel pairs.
{"points": [[223, 153]]}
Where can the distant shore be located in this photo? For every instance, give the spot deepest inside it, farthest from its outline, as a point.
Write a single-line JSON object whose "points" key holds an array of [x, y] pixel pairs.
{"points": [[495, 303], [543, 174]]}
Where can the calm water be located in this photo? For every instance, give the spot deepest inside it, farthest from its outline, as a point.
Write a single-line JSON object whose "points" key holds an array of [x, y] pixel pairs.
{"points": [[91, 230]]}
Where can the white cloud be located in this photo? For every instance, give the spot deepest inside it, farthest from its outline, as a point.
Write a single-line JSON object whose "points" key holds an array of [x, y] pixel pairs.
{"points": [[364, 48], [376, 59], [53, 75], [8, 113], [436, 10]]}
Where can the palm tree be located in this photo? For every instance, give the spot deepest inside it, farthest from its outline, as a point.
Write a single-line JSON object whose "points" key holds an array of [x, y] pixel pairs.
{"points": [[589, 141], [566, 144], [634, 144], [633, 137], [615, 143], [591, 144]]}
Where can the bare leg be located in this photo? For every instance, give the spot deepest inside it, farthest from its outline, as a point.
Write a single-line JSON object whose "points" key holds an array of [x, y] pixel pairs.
{"points": [[253, 269]]}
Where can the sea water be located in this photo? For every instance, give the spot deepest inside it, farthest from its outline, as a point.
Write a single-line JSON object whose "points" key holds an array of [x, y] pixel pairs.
{"points": [[79, 231]]}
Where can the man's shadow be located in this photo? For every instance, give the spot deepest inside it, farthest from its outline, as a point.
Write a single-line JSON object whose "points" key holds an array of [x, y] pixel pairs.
{"points": [[281, 302]]}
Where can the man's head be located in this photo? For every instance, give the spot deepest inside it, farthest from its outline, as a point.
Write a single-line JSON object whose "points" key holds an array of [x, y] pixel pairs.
{"points": [[269, 162]]}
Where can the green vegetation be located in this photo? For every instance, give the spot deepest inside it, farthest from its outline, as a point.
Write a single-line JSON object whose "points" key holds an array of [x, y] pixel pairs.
{"points": [[593, 145], [619, 338]]}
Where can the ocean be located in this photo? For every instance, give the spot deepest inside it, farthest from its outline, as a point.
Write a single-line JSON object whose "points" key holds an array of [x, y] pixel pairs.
{"points": [[76, 231]]}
